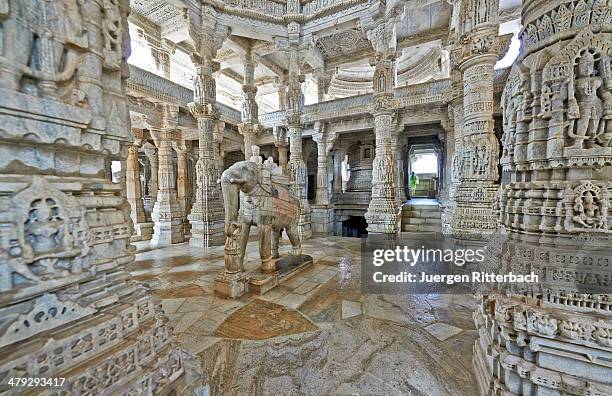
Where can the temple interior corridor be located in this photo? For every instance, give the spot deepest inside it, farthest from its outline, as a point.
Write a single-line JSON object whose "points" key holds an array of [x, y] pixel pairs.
{"points": [[306, 197]]}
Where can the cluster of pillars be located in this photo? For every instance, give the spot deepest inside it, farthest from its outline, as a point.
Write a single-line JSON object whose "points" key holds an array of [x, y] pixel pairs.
{"points": [[168, 198]]}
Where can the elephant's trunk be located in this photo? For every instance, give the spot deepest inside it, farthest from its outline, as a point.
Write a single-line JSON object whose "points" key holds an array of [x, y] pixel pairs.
{"points": [[231, 200]]}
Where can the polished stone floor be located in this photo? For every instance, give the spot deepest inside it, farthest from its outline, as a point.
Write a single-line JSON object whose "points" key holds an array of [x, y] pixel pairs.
{"points": [[316, 334]]}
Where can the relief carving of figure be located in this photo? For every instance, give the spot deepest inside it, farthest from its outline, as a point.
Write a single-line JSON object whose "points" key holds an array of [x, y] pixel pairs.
{"points": [[585, 108], [590, 209], [44, 227], [112, 33]]}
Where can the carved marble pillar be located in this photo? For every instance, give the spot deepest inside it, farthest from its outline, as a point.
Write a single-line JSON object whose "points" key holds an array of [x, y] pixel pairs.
{"points": [[338, 156], [249, 127], [182, 181], [68, 306], [206, 216], [142, 228], [400, 176], [151, 153], [249, 132], [297, 172], [455, 115], [296, 165], [478, 156], [554, 205], [167, 214], [383, 213], [324, 145], [448, 147], [322, 215], [280, 142]]}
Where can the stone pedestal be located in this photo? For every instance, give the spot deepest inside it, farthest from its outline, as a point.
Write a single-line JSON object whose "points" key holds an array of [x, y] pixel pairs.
{"points": [[322, 220], [231, 285], [286, 267]]}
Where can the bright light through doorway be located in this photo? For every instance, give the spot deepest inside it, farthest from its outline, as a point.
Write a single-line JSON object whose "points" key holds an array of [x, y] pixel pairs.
{"points": [[426, 163]]}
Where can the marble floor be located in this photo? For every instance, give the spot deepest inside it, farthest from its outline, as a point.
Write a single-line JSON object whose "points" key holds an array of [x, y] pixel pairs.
{"points": [[316, 334]]}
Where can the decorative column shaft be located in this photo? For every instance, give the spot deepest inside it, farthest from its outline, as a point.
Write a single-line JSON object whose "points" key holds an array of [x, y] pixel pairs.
{"points": [[297, 167], [322, 196], [154, 162], [324, 141], [167, 215], [280, 141], [476, 160], [249, 127], [143, 229], [133, 192], [383, 212], [182, 182], [206, 216]]}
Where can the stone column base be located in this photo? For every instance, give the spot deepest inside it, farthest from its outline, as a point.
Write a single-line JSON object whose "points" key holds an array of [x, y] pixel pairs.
{"points": [[305, 226], [322, 220], [383, 223], [167, 232], [204, 233], [231, 285], [142, 232]]}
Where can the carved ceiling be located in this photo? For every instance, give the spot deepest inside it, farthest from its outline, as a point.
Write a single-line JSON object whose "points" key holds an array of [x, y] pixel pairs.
{"points": [[332, 37], [343, 43], [157, 11]]}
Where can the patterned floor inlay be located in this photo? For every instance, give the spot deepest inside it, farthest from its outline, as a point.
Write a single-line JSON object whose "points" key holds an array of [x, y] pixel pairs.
{"points": [[261, 319]]}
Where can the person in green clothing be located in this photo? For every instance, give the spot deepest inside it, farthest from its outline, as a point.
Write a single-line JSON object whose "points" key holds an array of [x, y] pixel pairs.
{"points": [[414, 181]]}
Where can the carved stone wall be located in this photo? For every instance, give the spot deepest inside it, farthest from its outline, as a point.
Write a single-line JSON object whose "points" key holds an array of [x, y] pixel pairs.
{"points": [[67, 306], [555, 338]]}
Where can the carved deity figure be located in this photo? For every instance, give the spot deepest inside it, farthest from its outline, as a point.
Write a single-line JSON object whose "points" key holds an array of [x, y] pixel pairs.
{"points": [[587, 211], [44, 227], [585, 107]]}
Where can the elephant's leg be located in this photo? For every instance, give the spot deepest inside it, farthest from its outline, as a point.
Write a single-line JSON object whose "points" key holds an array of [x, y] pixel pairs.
{"points": [[294, 237], [245, 230], [275, 238], [267, 264]]}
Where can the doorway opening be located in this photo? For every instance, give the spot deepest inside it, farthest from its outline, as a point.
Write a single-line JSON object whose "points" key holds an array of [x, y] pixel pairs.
{"points": [[424, 162], [355, 227]]}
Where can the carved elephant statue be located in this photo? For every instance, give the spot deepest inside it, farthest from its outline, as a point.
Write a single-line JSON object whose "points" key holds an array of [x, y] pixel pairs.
{"points": [[267, 203]]}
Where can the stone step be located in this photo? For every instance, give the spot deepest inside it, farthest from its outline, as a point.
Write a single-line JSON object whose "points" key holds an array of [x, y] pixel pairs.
{"points": [[418, 213], [422, 227], [425, 208], [421, 220]]}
